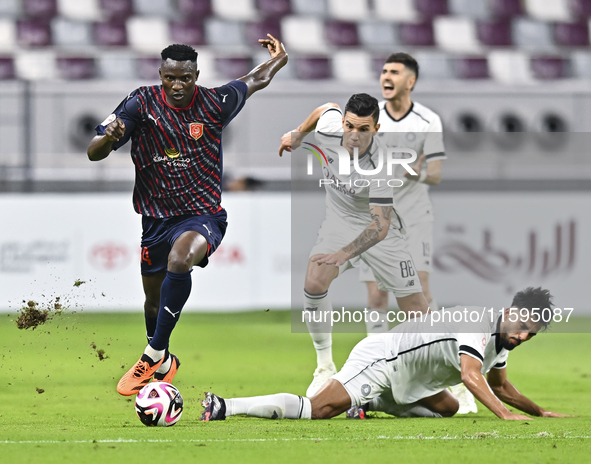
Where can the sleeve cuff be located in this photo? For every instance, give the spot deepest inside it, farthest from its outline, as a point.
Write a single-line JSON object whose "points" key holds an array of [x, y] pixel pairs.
{"points": [[435, 156], [465, 349]]}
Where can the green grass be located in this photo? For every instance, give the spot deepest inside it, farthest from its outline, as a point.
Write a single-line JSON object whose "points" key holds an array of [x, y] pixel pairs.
{"points": [[80, 418]]}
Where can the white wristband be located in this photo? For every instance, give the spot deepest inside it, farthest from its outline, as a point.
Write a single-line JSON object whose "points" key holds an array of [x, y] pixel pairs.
{"points": [[423, 176]]}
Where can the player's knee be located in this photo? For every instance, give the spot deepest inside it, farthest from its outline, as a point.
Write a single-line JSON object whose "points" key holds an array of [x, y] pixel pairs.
{"points": [[178, 263]]}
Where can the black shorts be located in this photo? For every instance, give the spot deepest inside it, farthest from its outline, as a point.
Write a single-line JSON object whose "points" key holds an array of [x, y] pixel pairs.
{"points": [[159, 235]]}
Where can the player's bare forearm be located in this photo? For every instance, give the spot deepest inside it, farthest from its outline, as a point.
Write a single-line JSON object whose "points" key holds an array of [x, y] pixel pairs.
{"points": [[100, 147], [261, 76], [479, 387], [292, 140], [433, 172], [510, 395]]}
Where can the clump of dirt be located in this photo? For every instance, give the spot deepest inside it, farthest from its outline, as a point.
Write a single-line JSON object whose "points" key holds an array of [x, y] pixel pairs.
{"points": [[100, 353], [79, 282], [32, 314], [40, 390]]}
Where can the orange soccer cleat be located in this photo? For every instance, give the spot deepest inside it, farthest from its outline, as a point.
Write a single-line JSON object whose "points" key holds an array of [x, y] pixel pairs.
{"points": [[138, 376], [174, 367]]}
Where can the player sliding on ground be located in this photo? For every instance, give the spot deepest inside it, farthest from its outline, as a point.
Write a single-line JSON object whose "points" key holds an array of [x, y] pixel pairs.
{"points": [[361, 222], [176, 131], [406, 371]]}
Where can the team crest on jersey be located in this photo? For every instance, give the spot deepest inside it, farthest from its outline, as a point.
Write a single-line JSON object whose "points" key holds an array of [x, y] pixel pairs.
{"points": [[196, 130]]}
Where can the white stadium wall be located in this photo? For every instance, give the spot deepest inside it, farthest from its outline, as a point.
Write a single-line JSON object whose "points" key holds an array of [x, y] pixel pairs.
{"points": [[487, 245]]}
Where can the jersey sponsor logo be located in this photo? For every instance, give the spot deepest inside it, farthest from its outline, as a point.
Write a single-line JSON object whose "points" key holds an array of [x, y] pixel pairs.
{"points": [[196, 130], [172, 152], [109, 120]]}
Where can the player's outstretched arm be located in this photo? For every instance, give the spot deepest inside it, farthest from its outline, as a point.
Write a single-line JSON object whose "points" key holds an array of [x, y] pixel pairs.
{"points": [[292, 140], [261, 76], [102, 145], [477, 384], [374, 233], [506, 391]]}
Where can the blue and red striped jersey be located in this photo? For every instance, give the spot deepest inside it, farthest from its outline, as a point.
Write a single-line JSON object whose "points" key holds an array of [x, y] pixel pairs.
{"points": [[177, 152]]}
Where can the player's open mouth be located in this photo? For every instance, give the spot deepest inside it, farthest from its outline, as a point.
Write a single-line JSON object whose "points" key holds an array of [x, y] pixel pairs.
{"points": [[388, 87], [177, 96]]}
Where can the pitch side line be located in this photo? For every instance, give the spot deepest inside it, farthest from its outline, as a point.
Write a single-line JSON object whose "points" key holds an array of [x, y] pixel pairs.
{"points": [[480, 436]]}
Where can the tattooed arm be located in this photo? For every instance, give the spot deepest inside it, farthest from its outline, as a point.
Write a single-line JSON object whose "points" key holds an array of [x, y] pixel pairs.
{"points": [[375, 232]]}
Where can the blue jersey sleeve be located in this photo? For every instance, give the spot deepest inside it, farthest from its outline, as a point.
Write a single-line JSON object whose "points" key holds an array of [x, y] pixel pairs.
{"points": [[232, 98], [129, 111]]}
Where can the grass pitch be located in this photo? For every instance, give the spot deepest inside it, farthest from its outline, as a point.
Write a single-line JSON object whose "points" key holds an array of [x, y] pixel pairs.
{"points": [[59, 402]]}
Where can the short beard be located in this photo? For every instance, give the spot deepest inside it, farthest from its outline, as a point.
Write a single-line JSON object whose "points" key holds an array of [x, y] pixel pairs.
{"points": [[505, 343]]}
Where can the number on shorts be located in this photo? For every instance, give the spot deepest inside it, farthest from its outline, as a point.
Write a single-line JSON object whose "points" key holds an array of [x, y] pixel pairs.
{"points": [[406, 269]]}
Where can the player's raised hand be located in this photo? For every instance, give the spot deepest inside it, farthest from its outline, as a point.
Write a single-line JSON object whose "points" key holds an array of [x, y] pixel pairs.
{"points": [[416, 168], [290, 141], [274, 46], [115, 130]]}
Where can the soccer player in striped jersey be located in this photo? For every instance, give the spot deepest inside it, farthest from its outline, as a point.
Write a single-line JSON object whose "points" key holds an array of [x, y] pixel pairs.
{"points": [[406, 371], [176, 134]]}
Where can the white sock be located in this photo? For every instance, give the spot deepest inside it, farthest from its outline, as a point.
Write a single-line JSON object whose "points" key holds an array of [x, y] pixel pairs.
{"points": [[165, 366], [400, 410], [279, 406], [381, 326], [317, 309], [155, 355], [433, 305]]}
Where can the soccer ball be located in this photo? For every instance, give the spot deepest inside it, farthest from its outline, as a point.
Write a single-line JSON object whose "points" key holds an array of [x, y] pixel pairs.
{"points": [[159, 404]]}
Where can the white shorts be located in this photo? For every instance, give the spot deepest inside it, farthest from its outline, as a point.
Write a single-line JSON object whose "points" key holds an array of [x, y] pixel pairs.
{"points": [[366, 374], [419, 240], [389, 259]]}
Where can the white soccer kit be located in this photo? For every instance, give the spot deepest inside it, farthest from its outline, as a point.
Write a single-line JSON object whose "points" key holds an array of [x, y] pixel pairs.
{"points": [[348, 200], [417, 359], [421, 130]]}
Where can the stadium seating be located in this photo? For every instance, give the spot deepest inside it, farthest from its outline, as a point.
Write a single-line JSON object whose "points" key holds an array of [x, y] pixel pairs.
{"points": [[80, 10], [42, 9], [313, 68], [571, 34], [241, 10], [194, 9], [462, 39], [455, 34], [71, 33], [6, 68], [110, 34], [222, 32], [33, 33], [233, 67], [471, 68], [303, 34], [147, 34], [341, 34], [380, 34], [75, 68], [352, 66], [417, 34], [348, 10], [256, 30], [188, 32], [549, 67], [10, 8], [404, 10], [274, 8], [494, 33]]}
